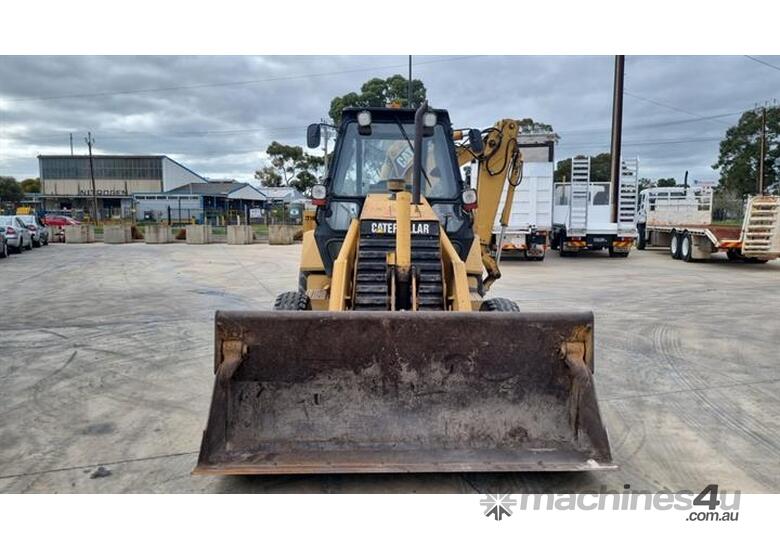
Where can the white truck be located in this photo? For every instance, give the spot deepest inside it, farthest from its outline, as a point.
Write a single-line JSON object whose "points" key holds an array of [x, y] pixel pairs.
{"points": [[682, 221], [530, 223], [582, 211]]}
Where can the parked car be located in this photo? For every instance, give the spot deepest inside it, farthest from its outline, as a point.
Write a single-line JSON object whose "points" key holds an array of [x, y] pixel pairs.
{"points": [[3, 243], [58, 222], [40, 233], [17, 234]]}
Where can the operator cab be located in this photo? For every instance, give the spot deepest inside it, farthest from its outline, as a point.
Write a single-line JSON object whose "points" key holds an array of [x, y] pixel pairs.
{"points": [[375, 146]]}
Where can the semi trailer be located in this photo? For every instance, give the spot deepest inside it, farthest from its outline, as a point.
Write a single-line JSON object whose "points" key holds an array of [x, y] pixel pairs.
{"points": [[682, 220]]}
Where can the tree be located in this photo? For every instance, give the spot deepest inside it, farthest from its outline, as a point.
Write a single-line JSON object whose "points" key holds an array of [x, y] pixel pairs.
{"points": [[379, 92], [10, 190], [600, 169], [645, 183], [530, 126], [290, 166], [740, 149], [666, 182], [31, 185]]}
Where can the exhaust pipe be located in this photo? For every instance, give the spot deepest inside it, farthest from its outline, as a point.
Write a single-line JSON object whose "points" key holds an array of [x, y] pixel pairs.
{"points": [[417, 162]]}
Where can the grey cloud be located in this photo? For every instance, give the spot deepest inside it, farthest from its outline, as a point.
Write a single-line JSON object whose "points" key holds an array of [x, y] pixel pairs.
{"points": [[197, 125]]}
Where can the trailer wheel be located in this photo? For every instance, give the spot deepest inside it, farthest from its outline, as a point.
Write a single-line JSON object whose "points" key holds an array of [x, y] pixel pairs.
{"points": [[499, 304], [674, 245], [686, 247], [292, 301]]}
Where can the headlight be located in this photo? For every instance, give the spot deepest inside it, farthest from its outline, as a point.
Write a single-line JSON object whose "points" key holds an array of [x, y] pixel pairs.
{"points": [[364, 118], [318, 195], [469, 197], [429, 119]]}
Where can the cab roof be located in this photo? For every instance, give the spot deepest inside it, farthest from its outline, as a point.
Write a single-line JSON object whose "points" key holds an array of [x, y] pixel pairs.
{"points": [[387, 114]]}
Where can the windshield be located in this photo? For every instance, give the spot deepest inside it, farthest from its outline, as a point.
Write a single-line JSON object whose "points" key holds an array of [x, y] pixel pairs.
{"points": [[366, 163]]}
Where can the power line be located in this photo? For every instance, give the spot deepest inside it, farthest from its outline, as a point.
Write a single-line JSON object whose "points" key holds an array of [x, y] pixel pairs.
{"points": [[757, 60], [696, 116], [235, 83], [641, 143], [129, 134]]}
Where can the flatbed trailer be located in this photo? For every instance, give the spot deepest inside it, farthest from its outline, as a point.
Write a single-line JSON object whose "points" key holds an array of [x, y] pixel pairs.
{"points": [[684, 225]]}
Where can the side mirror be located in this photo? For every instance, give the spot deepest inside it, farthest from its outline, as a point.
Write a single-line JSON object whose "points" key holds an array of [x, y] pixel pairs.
{"points": [[475, 140], [313, 136]]}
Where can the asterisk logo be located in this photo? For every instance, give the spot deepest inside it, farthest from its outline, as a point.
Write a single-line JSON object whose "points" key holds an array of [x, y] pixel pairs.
{"points": [[498, 506]]}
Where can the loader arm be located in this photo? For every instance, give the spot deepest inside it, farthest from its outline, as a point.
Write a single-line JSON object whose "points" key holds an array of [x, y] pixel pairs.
{"points": [[499, 162]]}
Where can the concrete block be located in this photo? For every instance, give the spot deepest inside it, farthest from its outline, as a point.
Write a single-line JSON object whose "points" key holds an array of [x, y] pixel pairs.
{"points": [[240, 234], [117, 234], [157, 234], [79, 234], [198, 234], [282, 234]]}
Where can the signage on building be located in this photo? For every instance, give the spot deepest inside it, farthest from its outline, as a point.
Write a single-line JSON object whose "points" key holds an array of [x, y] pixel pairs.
{"points": [[103, 192], [255, 213]]}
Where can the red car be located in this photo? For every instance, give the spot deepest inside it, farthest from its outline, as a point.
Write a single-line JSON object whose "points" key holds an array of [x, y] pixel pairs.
{"points": [[58, 222]]}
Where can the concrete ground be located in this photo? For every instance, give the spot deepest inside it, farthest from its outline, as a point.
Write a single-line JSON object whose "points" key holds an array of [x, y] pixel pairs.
{"points": [[106, 360]]}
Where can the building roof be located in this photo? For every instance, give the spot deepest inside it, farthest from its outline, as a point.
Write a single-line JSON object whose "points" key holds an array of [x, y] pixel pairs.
{"points": [[209, 189], [281, 193], [105, 157]]}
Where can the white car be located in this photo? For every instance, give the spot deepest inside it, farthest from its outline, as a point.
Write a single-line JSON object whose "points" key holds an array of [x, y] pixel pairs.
{"points": [[40, 233], [17, 235]]}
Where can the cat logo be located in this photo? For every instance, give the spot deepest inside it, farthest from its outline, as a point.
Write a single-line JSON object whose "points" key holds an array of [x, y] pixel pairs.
{"points": [[382, 228]]}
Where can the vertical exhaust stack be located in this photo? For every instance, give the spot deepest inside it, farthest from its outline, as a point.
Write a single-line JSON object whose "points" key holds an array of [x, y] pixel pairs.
{"points": [[417, 163], [617, 134]]}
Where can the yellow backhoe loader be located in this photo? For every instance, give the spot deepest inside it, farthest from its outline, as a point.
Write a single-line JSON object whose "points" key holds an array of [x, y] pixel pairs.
{"points": [[388, 358]]}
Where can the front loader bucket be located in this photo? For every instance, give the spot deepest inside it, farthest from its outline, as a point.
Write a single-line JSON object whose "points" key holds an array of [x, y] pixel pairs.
{"points": [[340, 392]]}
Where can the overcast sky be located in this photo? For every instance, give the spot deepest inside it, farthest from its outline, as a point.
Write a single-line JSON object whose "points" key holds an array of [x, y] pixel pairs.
{"points": [[217, 115]]}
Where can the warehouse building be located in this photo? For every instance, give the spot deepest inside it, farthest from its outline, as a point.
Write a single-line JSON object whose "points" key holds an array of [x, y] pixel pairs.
{"points": [[66, 182]]}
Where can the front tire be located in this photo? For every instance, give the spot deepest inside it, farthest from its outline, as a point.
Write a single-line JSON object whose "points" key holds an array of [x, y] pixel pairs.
{"points": [[499, 304], [292, 301], [674, 245], [641, 241]]}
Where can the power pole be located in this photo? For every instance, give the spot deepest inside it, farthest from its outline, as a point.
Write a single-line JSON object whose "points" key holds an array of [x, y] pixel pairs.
{"points": [[617, 133], [90, 141], [762, 154], [71, 144], [409, 86]]}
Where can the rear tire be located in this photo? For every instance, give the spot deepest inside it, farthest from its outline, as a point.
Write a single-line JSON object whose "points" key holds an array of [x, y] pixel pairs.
{"points": [[499, 304], [615, 254], [733, 255], [292, 301], [674, 245], [686, 247]]}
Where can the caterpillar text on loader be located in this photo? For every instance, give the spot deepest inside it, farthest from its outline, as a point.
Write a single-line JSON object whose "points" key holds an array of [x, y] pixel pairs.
{"points": [[387, 358]]}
